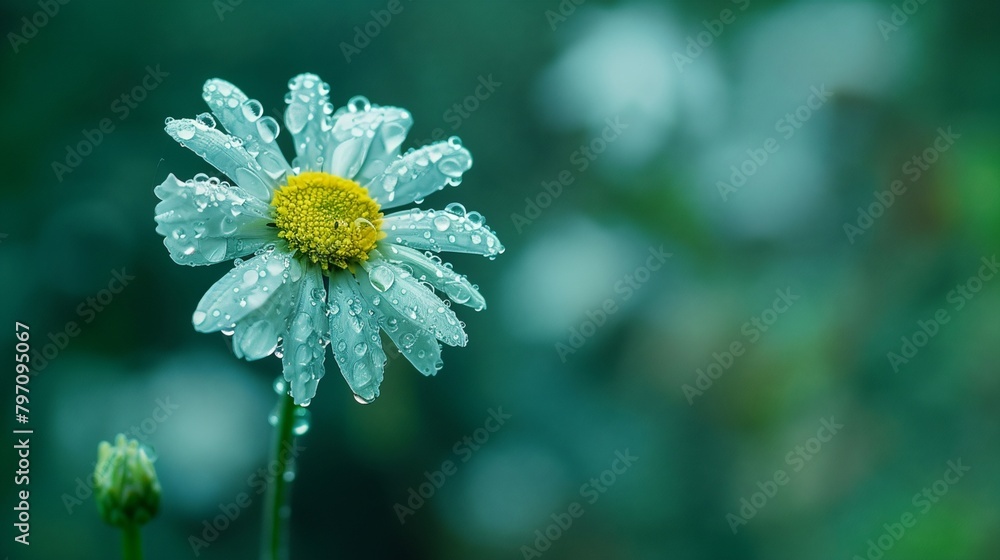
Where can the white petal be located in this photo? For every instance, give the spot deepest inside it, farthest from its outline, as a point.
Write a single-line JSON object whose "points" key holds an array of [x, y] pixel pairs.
{"points": [[365, 141], [431, 270], [256, 336], [420, 173], [244, 119], [437, 230], [226, 153], [412, 299], [304, 342], [415, 343], [205, 221], [308, 119], [245, 289], [354, 335]]}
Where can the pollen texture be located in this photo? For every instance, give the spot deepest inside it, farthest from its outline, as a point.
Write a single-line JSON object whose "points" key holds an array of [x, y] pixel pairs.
{"points": [[329, 219]]}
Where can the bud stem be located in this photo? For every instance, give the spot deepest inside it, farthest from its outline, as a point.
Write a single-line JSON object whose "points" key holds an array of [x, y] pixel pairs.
{"points": [[275, 511], [131, 542]]}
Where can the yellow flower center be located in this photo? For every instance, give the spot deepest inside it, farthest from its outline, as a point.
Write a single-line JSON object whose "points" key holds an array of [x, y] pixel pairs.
{"points": [[331, 220]]}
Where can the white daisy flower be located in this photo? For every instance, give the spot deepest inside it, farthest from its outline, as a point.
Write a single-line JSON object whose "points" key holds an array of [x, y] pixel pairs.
{"points": [[326, 266]]}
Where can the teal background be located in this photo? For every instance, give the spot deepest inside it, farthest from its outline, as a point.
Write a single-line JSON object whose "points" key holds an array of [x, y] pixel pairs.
{"points": [[571, 409]]}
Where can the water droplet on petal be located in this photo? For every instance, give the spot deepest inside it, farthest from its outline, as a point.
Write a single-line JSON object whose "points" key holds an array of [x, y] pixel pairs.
{"points": [[252, 110], [358, 103], [441, 222], [268, 129], [475, 219], [453, 169], [455, 208], [206, 119], [381, 277], [185, 132]]}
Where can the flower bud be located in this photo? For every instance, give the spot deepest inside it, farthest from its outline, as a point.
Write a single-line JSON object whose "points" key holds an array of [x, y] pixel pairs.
{"points": [[125, 484]]}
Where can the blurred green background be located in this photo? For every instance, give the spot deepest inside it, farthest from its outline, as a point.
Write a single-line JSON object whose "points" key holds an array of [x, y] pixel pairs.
{"points": [[695, 90]]}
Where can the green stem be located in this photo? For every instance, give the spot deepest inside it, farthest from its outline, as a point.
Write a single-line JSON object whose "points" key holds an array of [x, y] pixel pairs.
{"points": [[277, 491], [131, 542]]}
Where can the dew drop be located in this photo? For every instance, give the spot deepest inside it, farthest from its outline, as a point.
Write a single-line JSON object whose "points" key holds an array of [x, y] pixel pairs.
{"points": [[362, 400], [206, 119], [358, 103], [228, 226], [441, 223], [268, 129], [252, 110], [455, 208], [452, 168], [381, 277], [475, 219], [185, 132], [408, 339]]}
